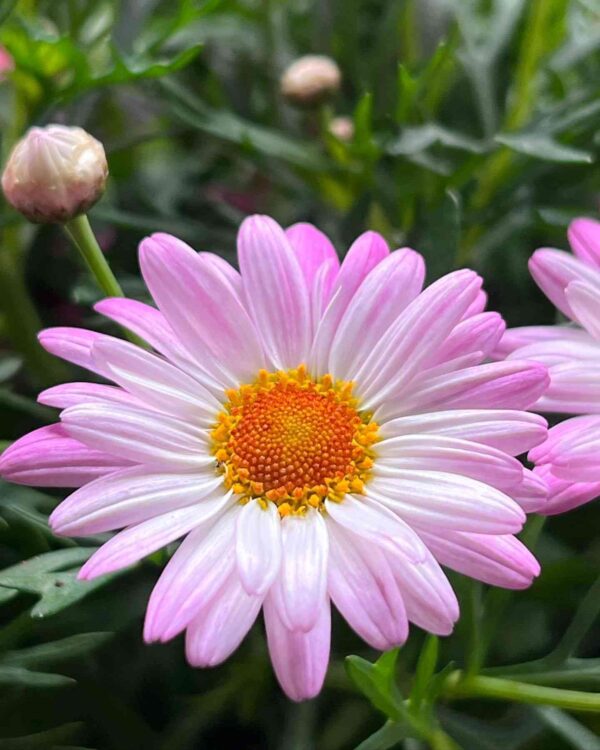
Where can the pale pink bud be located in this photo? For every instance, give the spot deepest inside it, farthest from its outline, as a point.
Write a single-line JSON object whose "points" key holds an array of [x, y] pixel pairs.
{"points": [[342, 128], [310, 79], [7, 64], [55, 173]]}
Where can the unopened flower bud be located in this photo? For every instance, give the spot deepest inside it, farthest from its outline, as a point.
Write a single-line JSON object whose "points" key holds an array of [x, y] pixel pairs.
{"points": [[342, 128], [310, 79], [55, 173]]}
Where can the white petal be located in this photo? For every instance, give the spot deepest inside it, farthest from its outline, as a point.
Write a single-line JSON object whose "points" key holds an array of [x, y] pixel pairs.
{"points": [[258, 546]]}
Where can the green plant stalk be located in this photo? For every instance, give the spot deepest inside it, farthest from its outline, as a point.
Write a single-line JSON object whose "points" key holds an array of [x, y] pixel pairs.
{"points": [[479, 686], [81, 234]]}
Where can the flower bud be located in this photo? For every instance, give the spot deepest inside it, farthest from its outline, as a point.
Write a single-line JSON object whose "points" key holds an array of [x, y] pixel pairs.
{"points": [[310, 79], [342, 128], [55, 173], [7, 64]]}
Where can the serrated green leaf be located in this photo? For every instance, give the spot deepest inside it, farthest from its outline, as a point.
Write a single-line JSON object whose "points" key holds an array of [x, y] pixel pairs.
{"points": [[13, 676], [55, 651], [542, 146]]}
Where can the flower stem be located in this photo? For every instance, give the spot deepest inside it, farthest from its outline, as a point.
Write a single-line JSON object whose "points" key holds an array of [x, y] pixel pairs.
{"points": [[80, 232], [479, 686]]}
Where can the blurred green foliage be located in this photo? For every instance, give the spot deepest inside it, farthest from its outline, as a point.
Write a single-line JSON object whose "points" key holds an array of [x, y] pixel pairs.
{"points": [[475, 141]]}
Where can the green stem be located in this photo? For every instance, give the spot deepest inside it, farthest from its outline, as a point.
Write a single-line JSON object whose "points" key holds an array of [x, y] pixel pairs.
{"points": [[498, 688], [584, 619], [80, 232]]}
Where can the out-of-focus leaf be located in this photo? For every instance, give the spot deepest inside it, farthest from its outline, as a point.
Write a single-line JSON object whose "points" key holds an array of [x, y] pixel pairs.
{"points": [[55, 651], [475, 734], [9, 366], [415, 139], [543, 147], [26, 405], [13, 676], [377, 682], [42, 740], [6, 8], [7, 594], [389, 736], [572, 731], [42, 575]]}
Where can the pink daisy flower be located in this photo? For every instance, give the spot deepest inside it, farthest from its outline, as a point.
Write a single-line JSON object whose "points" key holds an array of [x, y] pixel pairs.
{"points": [[569, 460], [315, 432]]}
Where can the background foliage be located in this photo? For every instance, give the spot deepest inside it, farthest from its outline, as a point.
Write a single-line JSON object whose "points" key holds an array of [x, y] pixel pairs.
{"points": [[475, 142]]}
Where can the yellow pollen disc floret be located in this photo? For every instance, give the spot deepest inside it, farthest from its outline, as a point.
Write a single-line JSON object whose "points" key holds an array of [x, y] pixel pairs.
{"points": [[294, 441]]}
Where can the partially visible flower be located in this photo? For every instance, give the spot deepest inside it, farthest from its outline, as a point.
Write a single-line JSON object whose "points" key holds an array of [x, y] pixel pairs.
{"points": [[315, 432], [342, 127], [55, 173], [569, 460], [7, 64], [310, 80]]}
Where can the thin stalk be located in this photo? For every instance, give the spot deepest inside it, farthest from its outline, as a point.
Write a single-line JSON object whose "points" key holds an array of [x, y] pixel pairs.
{"points": [[588, 611]]}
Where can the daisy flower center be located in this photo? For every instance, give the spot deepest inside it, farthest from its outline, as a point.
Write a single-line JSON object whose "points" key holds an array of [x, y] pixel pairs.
{"points": [[294, 441]]}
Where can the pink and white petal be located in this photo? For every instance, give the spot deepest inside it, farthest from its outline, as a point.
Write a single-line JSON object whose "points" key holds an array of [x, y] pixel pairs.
{"points": [[532, 493], [554, 270], [49, 457], [227, 271], [312, 248], [579, 462], [515, 338], [387, 290], [563, 348], [127, 497], [365, 591], [584, 238], [478, 305], [562, 435], [376, 523], [320, 293], [428, 597], [584, 300], [447, 454], [72, 394], [299, 658], [412, 341], [574, 388], [512, 432], [258, 546], [134, 543], [302, 581], [156, 382], [511, 384], [216, 632], [192, 578], [564, 495], [73, 345], [151, 325], [479, 333], [448, 501], [138, 435], [366, 252], [498, 560], [275, 291], [202, 309]]}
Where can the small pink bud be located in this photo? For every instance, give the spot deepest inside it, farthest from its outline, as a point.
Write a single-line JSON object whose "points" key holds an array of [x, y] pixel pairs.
{"points": [[7, 64], [310, 79], [342, 128], [55, 173]]}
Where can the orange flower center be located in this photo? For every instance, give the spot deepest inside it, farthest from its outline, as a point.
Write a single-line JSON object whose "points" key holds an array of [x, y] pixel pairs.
{"points": [[294, 441]]}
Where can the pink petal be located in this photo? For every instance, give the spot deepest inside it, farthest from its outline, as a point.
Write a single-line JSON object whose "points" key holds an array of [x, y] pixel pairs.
{"points": [[202, 309], [72, 394], [126, 497], [192, 577], [258, 546], [531, 494], [312, 248], [134, 543], [584, 238], [554, 270], [479, 333], [49, 457], [515, 338], [275, 291], [299, 658], [584, 300], [565, 495], [387, 290], [216, 632], [139, 435], [364, 254], [74, 345], [364, 590], [497, 560]]}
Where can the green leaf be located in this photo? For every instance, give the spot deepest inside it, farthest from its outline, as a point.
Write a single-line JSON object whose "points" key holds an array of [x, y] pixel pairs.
{"points": [[425, 670], [42, 576], [389, 736], [55, 651], [377, 682], [571, 730], [9, 366], [19, 677], [415, 139], [6, 8], [542, 146]]}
